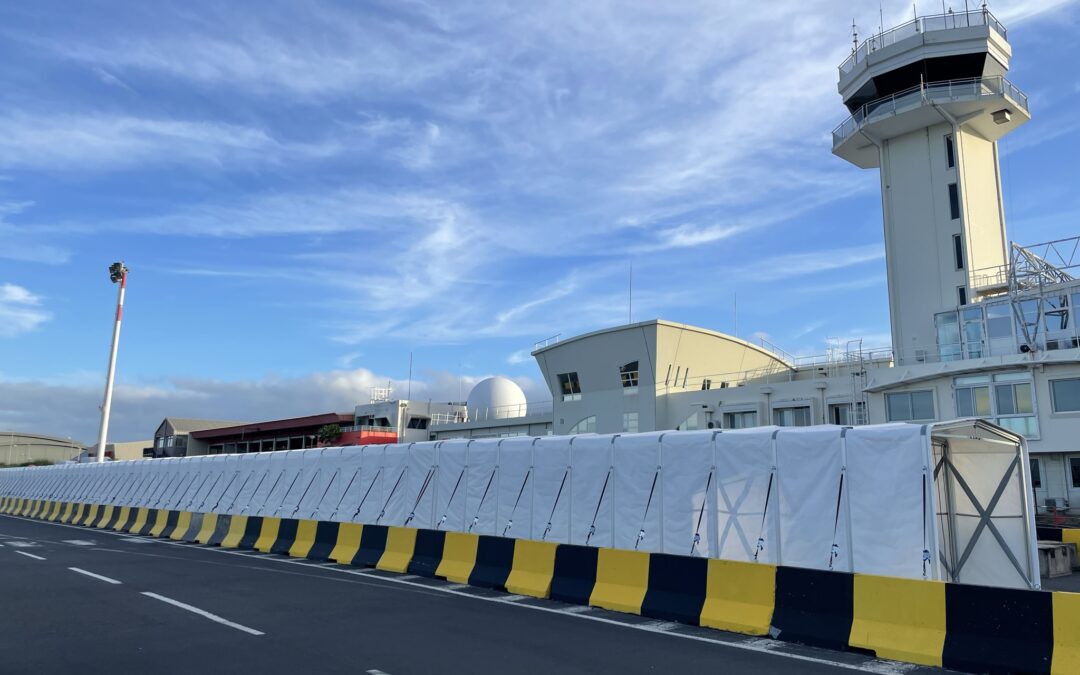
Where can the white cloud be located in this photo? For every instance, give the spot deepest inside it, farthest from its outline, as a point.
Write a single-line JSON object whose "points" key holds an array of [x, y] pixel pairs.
{"points": [[23, 244], [824, 260], [20, 311]]}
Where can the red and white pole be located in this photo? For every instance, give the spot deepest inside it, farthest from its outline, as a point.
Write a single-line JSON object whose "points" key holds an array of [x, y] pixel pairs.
{"points": [[106, 406]]}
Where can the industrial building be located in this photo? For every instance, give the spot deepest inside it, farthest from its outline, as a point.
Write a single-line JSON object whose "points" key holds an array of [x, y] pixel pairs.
{"points": [[18, 447]]}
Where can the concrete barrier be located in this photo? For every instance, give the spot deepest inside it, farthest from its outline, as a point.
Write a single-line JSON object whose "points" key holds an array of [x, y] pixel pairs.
{"points": [[967, 628]]}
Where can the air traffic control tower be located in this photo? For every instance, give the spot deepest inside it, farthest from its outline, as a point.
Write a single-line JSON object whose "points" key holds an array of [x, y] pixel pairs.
{"points": [[929, 101]]}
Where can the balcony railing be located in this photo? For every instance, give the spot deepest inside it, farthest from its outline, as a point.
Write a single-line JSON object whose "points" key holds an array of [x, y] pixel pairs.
{"points": [[494, 413], [923, 24], [972, 88]]}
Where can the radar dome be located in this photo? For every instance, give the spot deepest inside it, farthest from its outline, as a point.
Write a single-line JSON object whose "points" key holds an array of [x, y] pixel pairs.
{"points": [[496, 398]]}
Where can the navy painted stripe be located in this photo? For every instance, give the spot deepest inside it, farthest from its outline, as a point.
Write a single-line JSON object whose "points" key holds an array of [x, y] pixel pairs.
{"points": [[372, 545], [575, 574], [113, 518], [252, 530], [170, 524], [151, 521], [286, 536], [133, 513], [221, 530], [494, 559], [325, 541], [193, 528], [997, 630], [676, 589], [814, 607], [428, 552]]}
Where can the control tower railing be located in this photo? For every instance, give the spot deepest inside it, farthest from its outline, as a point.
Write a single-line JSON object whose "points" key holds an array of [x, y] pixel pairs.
{"points": [[967, 89]]}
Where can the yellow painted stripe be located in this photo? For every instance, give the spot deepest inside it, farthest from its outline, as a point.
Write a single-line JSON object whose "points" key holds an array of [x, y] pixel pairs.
{"points": [[183, 522], [66, 515], [739, 597], [26, 507], [125, 513], [267, 534], [899, 619], [235, 533], [622, 577], [1070, 535], [209, 524], [160, 523], [348, 543], [305, 538], [140, 520], [57, 506], [36, 508], [90, 515], [106, 516], [532, 569], [400, 543], [459, 557], [1066, 633]]}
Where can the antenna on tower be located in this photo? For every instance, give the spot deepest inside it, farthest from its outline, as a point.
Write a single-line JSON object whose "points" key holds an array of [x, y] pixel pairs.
{"points": [[854, 37], [881, 19]]}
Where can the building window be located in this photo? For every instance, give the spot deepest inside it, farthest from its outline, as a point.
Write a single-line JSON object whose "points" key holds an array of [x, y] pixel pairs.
{"points": [[1006, 399], [630, 422], [948, 336], [958, 251], [1059, 329], [570, 387], [972, 332], [1074, 469], [1065, 395], [418, 423], [740, 420], [706, 385], [585, 426], [910, 406], [950, 152], [1036, 476], [628, 375], [796, 416], [840, 413], [961, 295], [691, 423], [954, 201]]}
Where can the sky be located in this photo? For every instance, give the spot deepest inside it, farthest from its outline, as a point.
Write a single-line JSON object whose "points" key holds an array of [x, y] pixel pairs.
{"points": [[306, 193]]}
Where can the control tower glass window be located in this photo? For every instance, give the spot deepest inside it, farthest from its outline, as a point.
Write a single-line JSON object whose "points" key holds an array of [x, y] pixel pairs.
{"points": [[628, 375], [954, 201], [570, 387]]}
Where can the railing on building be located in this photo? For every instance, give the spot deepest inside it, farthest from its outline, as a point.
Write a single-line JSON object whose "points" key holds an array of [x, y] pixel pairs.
{"points": [[367, 428], [971, 88], [504, 412], [918, 26], [547, 342]]}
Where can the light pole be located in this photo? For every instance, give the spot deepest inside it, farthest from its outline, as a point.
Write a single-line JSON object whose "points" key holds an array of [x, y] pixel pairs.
{"points": [[117, 274]]}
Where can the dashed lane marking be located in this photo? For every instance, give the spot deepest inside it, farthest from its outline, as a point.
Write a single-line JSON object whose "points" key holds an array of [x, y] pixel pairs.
{"points": [[95, 576], [80, 542], [22, 544], [30, 555], [203, 613]]}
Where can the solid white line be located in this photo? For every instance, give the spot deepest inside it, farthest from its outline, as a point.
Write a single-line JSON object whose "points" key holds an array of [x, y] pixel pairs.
{"points": [[203, 613], [375, 671], [30, 555], [752, 645], [96, 576]]}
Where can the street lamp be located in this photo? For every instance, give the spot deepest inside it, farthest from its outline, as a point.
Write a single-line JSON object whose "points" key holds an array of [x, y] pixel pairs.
{"points": [[117, 274]]}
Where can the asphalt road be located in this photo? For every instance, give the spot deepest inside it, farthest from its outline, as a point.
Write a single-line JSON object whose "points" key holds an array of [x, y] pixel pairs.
{"points": [[74, 600]]}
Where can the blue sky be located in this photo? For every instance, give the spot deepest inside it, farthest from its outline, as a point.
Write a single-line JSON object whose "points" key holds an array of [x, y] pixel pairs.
{"points": [[306, 192]]}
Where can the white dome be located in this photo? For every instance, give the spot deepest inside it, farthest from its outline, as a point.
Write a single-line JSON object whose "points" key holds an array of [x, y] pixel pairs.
{"points": [[496, 398]]}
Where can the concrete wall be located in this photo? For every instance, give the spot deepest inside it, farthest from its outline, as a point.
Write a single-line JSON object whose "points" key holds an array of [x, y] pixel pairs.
{"points": [[984, 221]]}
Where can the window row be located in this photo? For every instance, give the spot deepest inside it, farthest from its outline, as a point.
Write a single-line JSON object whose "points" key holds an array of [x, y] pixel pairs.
{"points": [[996, 328]]}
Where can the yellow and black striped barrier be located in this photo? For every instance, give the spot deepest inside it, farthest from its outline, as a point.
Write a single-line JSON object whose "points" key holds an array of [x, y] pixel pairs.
{"points": [[956, 626]]}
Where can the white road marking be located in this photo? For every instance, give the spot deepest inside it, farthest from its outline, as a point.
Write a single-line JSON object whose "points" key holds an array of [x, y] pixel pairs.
{"points": [[661, 626], [878, 666], [30, 555], [514, 598], [80, 542], [22, 544], [138, 540], [96, 576], [375, 671], [203, 613]]}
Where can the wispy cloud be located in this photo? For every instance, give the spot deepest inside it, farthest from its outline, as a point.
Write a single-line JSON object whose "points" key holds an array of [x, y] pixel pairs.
{"points": [[20, 310], [23, 243]]}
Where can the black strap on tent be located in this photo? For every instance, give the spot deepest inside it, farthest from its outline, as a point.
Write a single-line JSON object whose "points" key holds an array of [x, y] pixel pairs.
{"points": [[391, 495], [333, 477], [212, 485], [369, 487], [641, 532], [476, 518], [551, 516], [764, 513], [453, 492], [282, 502], [701, 514], [344, 494], [592, 526], [301, 500], [835, 550], [510, 522], [242, 485], [926, 548], [257, 486], [272, 487], [423, 489]]}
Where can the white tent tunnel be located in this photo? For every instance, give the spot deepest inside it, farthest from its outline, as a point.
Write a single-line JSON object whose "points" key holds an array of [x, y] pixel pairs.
{"points": [[944, 501]]}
